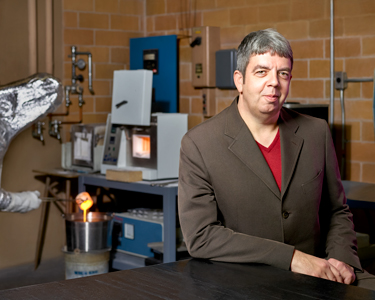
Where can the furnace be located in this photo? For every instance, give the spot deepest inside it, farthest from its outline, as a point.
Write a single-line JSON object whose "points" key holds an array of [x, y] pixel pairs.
{"points": [[135, 139]]}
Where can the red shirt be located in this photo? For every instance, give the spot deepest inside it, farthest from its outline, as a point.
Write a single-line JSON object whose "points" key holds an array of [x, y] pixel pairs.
{"points": [[272, 155]]}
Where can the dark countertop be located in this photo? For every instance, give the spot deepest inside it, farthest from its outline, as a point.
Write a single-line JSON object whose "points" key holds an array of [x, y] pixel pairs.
{"points": [[359, 194], [193, 279]]}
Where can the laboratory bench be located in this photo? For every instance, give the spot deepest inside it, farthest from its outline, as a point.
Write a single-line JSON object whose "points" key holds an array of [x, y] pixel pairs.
{"points": [[361, 201], [167, 189], [359, 194], [194, 279], [360, 197]]}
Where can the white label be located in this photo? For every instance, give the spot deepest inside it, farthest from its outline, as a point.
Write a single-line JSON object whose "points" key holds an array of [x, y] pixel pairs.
{"points": [[129, 231]]}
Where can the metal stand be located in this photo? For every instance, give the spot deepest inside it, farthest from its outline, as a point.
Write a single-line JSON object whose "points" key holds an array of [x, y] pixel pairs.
{"points": [[53, 177], [341, 83]]}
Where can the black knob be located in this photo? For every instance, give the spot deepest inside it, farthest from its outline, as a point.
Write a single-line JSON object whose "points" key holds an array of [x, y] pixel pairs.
{"points": [[197, 41], [79, 77]]}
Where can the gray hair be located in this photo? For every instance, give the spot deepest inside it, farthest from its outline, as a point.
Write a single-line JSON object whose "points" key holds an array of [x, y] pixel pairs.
{"points": [[260, 42]]}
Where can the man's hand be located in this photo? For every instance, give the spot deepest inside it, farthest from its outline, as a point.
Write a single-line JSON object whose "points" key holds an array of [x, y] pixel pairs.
{"points": [[310, 265], [346, 271]]}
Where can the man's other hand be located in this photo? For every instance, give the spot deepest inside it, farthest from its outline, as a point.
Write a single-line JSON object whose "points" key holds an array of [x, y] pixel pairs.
{"points": [[346, 271], [310, 265]]}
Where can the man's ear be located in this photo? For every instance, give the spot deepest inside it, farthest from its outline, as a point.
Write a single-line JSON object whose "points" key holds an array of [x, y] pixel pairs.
{"points": [[238, 80]]}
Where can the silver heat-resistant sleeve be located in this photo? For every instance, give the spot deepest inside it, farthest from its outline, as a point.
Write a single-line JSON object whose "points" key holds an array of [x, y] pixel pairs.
{"points": [[5, 199], [21, 104]]}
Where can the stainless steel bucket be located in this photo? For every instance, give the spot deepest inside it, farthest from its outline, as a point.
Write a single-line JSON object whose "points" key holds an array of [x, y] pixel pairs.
{"points": [[90, 236]]}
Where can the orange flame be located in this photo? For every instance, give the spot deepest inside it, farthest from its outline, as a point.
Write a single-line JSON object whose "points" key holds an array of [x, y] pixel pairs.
{"points": [[146, 144], [84, 202]]}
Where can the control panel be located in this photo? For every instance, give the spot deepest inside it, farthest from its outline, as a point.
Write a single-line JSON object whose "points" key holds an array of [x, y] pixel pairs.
{"points": [[151, 60], [112, 145]]}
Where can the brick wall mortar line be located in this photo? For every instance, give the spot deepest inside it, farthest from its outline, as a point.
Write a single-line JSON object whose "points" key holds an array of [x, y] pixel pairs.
{"points": [[309, 79], [361, 142], [360, 57], [309, 39], [355, 36], [308, 69], [115, 30], [91, 13]]}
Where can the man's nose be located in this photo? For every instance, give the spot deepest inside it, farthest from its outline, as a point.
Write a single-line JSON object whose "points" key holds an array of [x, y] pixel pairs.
{"points": [[273, 79]]}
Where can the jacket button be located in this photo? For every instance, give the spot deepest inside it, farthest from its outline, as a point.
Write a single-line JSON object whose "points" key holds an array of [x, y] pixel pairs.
{"points": [[285, 215]]}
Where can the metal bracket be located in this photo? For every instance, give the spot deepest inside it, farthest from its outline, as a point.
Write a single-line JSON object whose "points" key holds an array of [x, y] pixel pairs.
{"points": [[341, 82]]}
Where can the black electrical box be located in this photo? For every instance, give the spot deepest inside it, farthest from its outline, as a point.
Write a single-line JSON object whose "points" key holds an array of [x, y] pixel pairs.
{"points": [[226, 64]]}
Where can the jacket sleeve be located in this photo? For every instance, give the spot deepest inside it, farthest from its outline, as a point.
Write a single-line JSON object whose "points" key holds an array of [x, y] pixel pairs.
{"points": [[335, 216], [204, 234]]}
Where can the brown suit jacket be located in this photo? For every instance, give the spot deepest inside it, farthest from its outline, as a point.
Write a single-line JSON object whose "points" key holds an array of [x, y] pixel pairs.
{"points": [[231, 208]]}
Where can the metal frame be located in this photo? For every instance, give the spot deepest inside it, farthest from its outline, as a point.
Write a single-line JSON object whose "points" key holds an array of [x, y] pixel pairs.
{"points": [[341, 83]]}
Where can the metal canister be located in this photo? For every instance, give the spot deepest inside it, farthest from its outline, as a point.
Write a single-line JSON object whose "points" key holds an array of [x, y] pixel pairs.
{"points": [[90, 236]]}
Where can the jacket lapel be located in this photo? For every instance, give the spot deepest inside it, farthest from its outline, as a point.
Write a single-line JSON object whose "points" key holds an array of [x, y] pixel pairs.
{"points": [[246, 149], [291, 146]]}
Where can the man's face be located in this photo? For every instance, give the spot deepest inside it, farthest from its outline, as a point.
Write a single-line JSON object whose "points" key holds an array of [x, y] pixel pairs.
{"points": [[266, 87]]}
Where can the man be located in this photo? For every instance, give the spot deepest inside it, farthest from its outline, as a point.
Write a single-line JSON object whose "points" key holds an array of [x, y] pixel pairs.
{"points": [[260, 183]]}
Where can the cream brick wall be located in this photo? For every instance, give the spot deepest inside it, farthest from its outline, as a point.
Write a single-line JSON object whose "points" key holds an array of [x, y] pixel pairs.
{"points": [[104, 28]]}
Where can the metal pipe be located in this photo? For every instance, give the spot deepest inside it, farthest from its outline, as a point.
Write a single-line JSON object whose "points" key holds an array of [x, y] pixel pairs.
{"points": [[90, 68], [75, 122], [37, 131], [67, 96], [33, 36], [331, 117], [49, 37], [54, 129], [67, 104], [360, 80], [90, 75], [343, 140], [73, 66], [50, 199]]}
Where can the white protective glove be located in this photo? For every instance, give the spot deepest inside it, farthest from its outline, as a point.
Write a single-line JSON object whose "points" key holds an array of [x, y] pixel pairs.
{"points": [[24, 202]]}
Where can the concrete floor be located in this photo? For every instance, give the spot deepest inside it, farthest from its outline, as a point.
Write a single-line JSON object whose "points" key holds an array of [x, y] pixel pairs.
{"points": [[48, 271]]}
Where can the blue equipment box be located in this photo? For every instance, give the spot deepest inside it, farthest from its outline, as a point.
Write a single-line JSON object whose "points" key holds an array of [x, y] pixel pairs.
{"points": [[160, 53], [137, 230]]}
